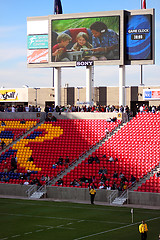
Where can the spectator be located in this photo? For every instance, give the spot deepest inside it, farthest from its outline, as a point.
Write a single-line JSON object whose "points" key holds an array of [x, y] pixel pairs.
{"points": [[6, 178], [30, 159], [3, 179], [158, 174], [96, 159], [60, 161], [103, 178], [35, 181], [83, 179], [101, 186], [90, 160], [42, 178], [111, 159], [133, 179], [108, 187], [104, 171], [114, 186], [13, 164], [3, 123], [115, 175], [60, 182], [53, 119], [121, 175], [22, 176], [100, 171], [47, 179], [67, 160], [22, 121], [75, 183], [26, 182], [28, 173], [2, 144], [107, 132], [5, 168], [141, 109]]}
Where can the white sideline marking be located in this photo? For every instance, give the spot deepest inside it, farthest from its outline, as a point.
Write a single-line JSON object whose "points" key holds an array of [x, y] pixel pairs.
{"points": [[60, 226], [39, 230], [114, 229], [71, 219], [28, 233]]}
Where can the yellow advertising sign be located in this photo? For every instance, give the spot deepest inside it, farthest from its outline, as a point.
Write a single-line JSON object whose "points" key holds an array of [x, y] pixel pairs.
{"points": [[8, 95]]}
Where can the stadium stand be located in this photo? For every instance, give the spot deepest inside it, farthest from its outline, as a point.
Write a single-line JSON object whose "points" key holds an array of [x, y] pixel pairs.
{"points": [[50, 141], [151, 185], [135, 147], [134, 150], [12, 129]]}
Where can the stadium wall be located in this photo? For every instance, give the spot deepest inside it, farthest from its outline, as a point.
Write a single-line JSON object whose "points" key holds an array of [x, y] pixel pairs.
{"points": [[23, 115], [63, 115], [81, 194], [144, 198]]}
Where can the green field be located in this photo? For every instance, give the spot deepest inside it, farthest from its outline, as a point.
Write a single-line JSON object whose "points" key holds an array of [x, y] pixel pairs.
{"points": [[47, 220]]}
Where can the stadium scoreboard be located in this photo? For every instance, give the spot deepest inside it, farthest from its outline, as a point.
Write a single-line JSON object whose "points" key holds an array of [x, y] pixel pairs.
{"points": [[132, 30]]}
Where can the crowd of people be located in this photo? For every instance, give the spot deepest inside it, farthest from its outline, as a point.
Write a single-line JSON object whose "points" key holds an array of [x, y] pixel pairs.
{"points": [[103, 181], [83, 108], [145, 108], [20, 108], [86, 108]]}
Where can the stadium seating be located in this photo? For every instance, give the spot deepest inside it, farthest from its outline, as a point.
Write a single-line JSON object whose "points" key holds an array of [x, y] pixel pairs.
{"points": [[14, 128], [51, 140], [151, 185], [135, 148]]}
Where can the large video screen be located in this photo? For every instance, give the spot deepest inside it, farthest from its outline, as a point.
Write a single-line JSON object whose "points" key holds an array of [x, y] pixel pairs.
{"points": [[139, 37], [82, 39]]}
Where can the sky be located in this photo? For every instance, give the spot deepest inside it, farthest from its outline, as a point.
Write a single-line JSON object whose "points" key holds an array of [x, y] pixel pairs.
{"points": [[13, 45]]}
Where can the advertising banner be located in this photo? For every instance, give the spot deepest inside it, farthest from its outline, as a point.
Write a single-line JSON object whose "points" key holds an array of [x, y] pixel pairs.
{"points": [[37, 41], [151, 94], [14, 95]]}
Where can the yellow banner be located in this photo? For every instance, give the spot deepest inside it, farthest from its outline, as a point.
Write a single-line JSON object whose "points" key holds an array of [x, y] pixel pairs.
{"points": [[8, 95]]}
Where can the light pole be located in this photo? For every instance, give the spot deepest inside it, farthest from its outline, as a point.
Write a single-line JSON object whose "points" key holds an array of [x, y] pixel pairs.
{"points": [[78, 96], [36, 95]]}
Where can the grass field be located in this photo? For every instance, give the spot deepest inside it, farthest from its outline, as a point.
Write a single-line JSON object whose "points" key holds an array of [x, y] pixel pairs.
{"points": [[46, 220]]}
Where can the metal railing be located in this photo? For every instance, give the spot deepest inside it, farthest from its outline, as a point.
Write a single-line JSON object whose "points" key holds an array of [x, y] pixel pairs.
{"points": [[31, 190], [112, 196]]}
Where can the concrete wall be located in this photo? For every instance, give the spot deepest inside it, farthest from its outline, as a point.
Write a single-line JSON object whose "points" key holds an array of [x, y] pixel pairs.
{"points": [[13, 189], [81, 194], [77, 194], [144, 198], [23, 115]]}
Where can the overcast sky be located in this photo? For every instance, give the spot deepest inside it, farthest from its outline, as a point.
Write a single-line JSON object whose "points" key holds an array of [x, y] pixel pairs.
{"points": [[13, 45]]}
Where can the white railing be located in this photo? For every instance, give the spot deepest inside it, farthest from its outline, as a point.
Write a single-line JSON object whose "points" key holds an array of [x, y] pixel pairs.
{"points": [[112, 196], [31, 190]]}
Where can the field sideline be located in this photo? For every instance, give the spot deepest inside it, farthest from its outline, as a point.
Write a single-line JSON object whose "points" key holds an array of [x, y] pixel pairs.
{"points": [[36, 220]]}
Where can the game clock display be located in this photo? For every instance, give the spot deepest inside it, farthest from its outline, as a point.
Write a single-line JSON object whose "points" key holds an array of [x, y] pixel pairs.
{"points": [[138, 37]]}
